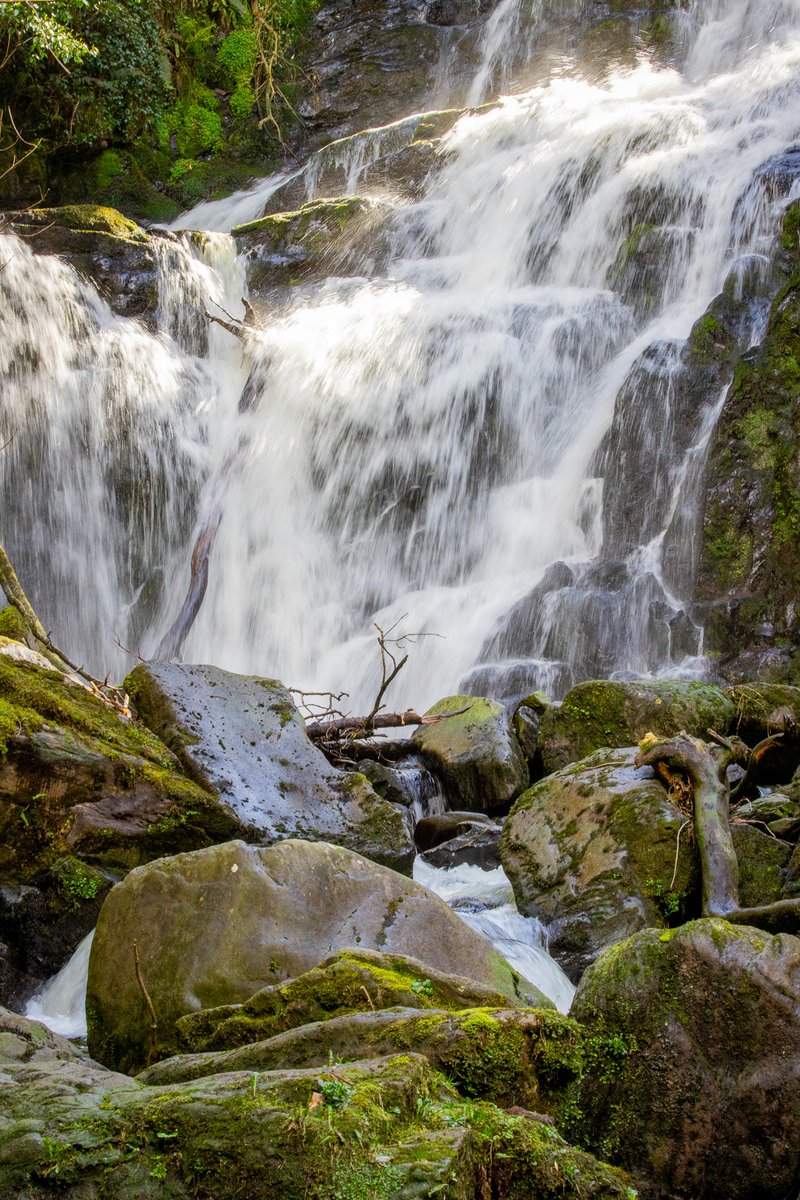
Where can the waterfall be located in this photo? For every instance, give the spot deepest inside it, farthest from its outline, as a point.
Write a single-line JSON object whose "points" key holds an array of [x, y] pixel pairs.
{"points": [[483, 432], [61, 1005]]}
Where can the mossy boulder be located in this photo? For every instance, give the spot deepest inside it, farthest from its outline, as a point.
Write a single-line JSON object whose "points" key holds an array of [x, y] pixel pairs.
{"points": [[592, 852], [475, 753], [347, 982], [12, 625], [387, 1128], [527, 1057], [602, 712], [242, 738], [85, 794], [293, 247], [100, 243], [763, 862], [763, 709], [697, 1044], [214, 927]]}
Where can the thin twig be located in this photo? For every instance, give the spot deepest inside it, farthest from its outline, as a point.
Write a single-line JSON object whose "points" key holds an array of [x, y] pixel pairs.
{"points": [[677, 852]]}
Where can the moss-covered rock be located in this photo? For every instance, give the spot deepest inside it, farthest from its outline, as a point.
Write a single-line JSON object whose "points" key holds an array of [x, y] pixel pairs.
{"points": [[347, 982], [475, 753], [604, 713], [763, 709], [525, 1057], [12, 625], [243, 739], [750, 566], [694, 1086], [85, 795], [99, 242], [763, 861], [216, 926], [293, 247], [592, 852], [386, 1129]]}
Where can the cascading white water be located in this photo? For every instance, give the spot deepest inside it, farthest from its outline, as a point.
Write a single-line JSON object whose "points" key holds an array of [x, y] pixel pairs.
{"points": [[61, 1005], [485, 901], [426, 442]]}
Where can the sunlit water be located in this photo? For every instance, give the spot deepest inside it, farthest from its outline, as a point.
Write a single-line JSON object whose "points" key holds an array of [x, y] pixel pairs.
{"points": [[423, 443]]}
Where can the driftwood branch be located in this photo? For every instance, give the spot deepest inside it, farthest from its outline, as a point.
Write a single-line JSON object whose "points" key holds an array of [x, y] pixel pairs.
{"points": [[705, 766], [362, 726]]}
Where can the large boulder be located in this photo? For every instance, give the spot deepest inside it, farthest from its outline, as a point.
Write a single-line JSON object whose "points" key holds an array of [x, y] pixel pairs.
{"points": [[214, 927], [383, 1127], [697, 1053], [605, 713], [592, 852], [85, 794], [475, 753], [242, 738]]}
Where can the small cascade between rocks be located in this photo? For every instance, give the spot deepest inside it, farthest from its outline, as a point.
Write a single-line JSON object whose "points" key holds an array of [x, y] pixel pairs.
{"points": [[61, 1005], [485, 426]]}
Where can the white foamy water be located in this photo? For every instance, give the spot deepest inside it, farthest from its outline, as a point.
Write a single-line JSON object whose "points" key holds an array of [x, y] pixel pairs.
{"points": [[485, 901], [426, 439], [61, 1006]]}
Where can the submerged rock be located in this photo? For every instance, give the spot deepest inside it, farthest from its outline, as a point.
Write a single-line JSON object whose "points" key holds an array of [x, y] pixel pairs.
{"points": [[697, 1042], [214, 927], [605, 713], [242, 738], [475, 753], [591, 852]]}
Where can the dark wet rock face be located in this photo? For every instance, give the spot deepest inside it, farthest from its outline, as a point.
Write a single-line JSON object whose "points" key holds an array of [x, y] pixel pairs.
{"points": [[115, 253], [698, 1034]]}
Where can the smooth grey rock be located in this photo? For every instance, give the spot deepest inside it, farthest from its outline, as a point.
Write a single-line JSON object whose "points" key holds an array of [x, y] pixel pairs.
{"points": [[216, 926]]}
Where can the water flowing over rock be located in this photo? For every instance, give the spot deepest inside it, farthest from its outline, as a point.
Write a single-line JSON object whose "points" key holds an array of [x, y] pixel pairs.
{"points": [[214, 927], [507, 384], [701, 1040]]}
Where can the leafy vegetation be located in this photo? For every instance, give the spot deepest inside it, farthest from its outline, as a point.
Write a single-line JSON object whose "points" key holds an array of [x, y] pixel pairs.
{"points": [[130, 100]]}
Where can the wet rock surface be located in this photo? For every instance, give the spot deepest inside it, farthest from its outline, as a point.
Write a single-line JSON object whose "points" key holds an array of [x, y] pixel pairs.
{"points": [[242, 738], [591, 852], [475, 753], [102, 244]]}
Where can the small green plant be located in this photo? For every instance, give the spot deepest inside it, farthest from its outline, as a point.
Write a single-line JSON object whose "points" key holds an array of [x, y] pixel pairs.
{"points": [[422, 987], [159, 1171], [335, 1092]]}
